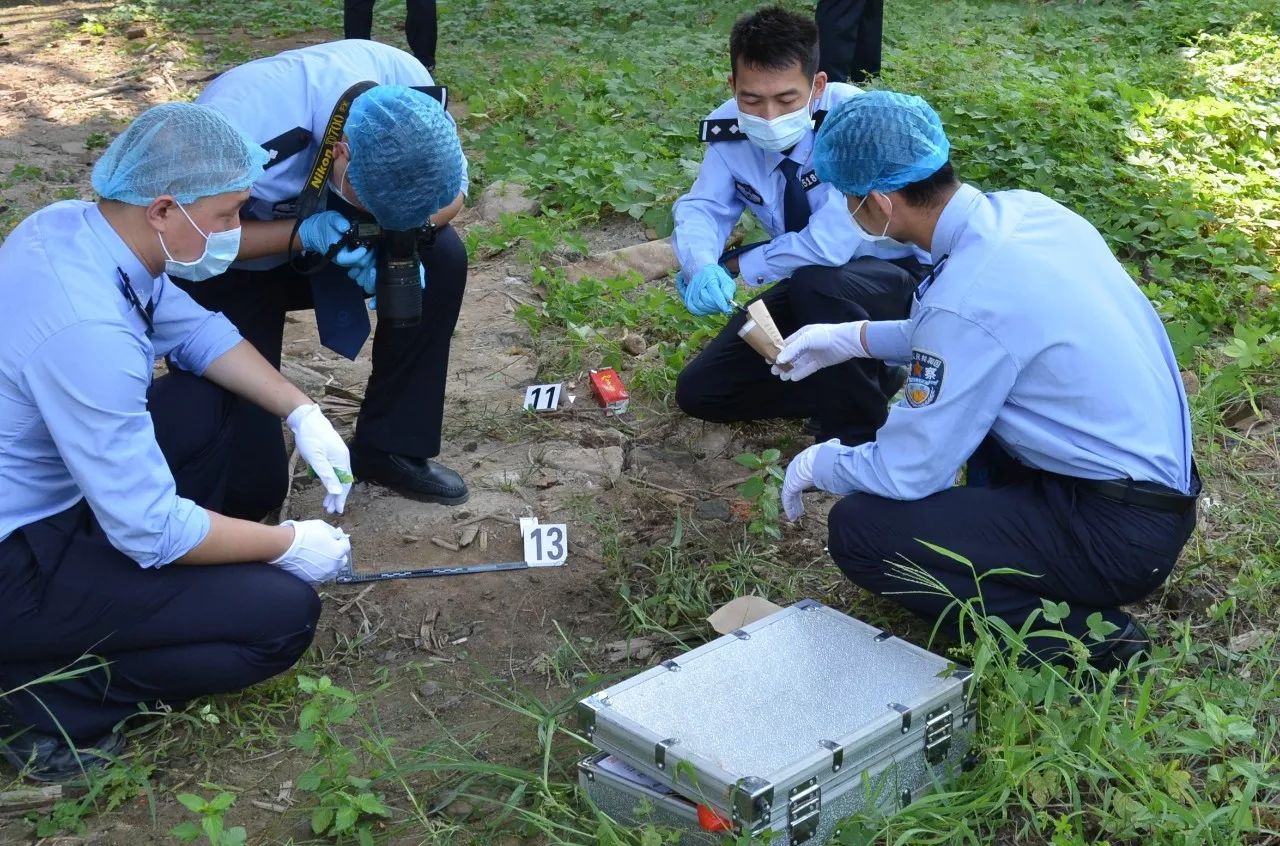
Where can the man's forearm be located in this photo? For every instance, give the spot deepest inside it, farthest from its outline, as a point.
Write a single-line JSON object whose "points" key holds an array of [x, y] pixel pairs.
{"points": [[449, 212], [244, 372], [232, 541], [259, 238]]}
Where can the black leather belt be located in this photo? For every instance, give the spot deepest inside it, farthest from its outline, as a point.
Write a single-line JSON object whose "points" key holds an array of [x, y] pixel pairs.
{"points": [[1144, 494]]}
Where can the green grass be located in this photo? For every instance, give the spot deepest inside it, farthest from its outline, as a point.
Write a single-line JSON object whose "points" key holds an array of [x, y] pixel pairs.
{"points": [[1157, 120]]}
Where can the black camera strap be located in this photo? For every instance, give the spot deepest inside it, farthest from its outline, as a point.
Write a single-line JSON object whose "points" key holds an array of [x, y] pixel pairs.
{"points": [[309, 197]]}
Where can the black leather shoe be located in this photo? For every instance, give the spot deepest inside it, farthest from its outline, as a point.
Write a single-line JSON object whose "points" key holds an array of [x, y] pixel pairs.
{"points": [[417, 478], [48, 758], [1122, 647]]}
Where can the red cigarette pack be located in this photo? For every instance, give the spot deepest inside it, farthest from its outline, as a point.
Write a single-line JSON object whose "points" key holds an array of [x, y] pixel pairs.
{"points": [[609, 390]]}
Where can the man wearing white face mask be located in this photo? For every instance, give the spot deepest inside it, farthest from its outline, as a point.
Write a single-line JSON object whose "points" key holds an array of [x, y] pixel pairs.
{"points": [[758, 159], [111, 484]]}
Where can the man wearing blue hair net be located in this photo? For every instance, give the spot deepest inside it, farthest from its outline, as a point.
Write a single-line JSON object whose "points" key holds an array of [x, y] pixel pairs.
{"points": [[113, 538], [397, 162], [760, 159], [1034, 358]]}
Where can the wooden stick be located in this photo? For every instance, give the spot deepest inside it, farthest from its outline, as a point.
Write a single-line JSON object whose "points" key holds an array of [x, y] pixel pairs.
{"points": [[268, 806], [29, 799], [342, 609], [288, 494]]}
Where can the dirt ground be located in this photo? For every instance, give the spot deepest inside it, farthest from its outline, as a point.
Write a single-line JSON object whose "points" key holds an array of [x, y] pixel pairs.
{"points": [[59, 93]]}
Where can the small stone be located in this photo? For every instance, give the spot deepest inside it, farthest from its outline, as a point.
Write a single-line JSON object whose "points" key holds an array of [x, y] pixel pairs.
{"points": [[429, 689], [603, 437], [507, 198], [459, 810], [1190, 382], [468, 535], [471, 446], [75, 148], [135, 32], [713, 509], [1250, 640], [633, 343], [604, 462], [714, 442]]}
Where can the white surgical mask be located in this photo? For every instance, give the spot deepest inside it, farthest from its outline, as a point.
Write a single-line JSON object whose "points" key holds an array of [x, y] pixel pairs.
{"points": [[780, 133], [341, 187], [220, 250], [883, 236]]}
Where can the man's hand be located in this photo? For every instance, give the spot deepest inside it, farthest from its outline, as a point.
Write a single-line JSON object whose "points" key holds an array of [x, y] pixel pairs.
{"points": [[817, 346], [318, 552], [322, 230], [709, 292], [799, 479], [322, 448]]}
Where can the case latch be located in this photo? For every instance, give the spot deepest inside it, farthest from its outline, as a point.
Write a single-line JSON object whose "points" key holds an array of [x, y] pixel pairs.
{"points": [[937, 735], [660, 752], [837, 754], [804, 809]]}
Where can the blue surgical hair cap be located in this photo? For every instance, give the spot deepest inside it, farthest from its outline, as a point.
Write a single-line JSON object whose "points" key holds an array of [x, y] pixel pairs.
{"points": [[879, 141], [181, 149], [406, 161]]}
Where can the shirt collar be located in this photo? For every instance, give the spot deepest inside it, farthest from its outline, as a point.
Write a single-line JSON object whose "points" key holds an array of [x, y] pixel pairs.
{"points": [[952, 221], [139, 277]]}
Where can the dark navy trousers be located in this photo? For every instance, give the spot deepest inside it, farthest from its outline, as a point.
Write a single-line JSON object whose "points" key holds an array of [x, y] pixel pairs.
{"points": [[403, 408], [1070, 543], [163, 635], [849, 35], [730, 382]]}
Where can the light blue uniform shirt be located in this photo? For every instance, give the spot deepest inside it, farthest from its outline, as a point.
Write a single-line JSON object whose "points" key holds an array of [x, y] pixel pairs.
{"points": [[738, 175], [268, 97], [1032, 331], [75, 365]]}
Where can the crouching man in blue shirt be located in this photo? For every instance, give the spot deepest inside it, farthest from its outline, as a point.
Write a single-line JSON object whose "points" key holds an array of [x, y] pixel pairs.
{"points": [[110, 541], [1033, 356], [760, 158]]}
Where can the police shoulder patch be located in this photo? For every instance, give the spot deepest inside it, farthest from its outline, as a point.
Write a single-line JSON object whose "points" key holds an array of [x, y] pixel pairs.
{"points": [[924, 379]]}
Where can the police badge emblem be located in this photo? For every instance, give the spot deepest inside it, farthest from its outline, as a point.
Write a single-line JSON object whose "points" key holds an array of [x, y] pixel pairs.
{"points": [[924, 379]]}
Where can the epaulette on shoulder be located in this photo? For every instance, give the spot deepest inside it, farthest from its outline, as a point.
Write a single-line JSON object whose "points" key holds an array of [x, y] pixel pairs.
{"points": [[720, 129]]}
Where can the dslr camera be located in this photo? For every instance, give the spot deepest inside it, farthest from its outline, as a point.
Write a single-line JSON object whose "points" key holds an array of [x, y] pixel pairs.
{"points": [[398, 286]]}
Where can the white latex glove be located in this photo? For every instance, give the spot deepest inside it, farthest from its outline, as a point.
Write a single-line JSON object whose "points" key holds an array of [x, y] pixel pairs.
{"points": [[819, 345], [799, 479], [317, 553], [322, 448]]}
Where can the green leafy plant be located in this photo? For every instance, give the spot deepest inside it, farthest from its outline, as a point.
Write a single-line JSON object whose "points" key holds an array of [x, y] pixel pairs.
{"points": [[346, 804], [212, 823], [763, 491]]}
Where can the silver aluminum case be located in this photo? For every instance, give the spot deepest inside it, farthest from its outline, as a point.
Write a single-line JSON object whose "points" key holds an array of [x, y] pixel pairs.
{"points": [[890, 784], [755, 723]]}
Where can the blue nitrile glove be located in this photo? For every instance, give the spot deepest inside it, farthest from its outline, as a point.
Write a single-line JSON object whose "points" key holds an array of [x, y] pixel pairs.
{"points": [[369, 288], [709, 292], [321, 231]]}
